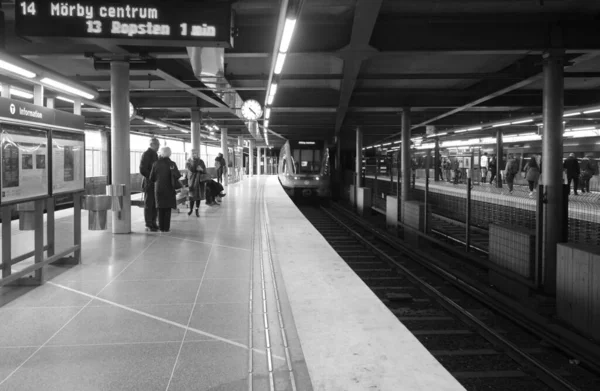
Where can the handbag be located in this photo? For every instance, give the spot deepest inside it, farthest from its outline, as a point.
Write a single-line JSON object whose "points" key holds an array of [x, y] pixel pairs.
{"points": [[175, 181], [204, 177]]}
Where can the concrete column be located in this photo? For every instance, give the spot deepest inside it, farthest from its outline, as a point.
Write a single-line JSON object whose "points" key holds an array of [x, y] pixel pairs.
{"points": [[552, 168], [195, 127], [77, 106], [225, 153], [406, 163], [436, 161], [265, 161], [38, 95], [499, 154], [121, 172], [5, 90], [50, 105], [358, 169], [251, 158], [241, 146]]}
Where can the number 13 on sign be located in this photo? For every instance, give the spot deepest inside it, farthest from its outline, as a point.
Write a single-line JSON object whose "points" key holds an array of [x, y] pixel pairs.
{"points": [[28, 8]]}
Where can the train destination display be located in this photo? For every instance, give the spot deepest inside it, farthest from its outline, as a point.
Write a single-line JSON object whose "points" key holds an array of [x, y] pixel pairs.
{"points": [[24, 163], [157, 22], [68, 154]]}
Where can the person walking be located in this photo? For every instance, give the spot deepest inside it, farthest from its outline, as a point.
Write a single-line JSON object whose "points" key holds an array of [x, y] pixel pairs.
{"points": [[588, 168], [571, 165], [532, 175], [165, 176], [221, 166], [511, 170], [196, 181], [149, 157], [492, 166], [484, 167]]}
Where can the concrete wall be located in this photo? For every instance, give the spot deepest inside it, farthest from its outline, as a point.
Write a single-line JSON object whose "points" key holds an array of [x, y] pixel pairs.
{"points": [[513, 248]]}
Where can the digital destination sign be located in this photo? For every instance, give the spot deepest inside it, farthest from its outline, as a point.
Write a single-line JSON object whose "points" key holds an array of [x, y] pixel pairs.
{"points": [[149, 23]]}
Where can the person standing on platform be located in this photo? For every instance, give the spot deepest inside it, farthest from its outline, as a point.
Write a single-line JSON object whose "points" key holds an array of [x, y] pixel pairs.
{"points": [[196, 181], [588, 168], [511, 170], [148, 159], [571, 165], [492, 166], [221, 166], [165, 176], [484, 167], [532, 175]]}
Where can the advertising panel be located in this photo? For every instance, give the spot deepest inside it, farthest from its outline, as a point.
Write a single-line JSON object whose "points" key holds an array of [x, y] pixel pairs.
{"points": [[160, 23], [24, 163], [68, 162]]}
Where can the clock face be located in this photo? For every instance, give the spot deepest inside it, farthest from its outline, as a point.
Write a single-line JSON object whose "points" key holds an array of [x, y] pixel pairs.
{"points": [[251, 110]]}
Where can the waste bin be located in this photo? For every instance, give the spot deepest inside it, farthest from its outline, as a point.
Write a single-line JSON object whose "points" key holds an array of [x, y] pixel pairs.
{"points": [[26, 216], [97, 207]]}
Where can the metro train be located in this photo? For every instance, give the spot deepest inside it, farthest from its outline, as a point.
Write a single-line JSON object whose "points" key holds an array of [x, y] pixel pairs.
{"points": [[304, 169]]}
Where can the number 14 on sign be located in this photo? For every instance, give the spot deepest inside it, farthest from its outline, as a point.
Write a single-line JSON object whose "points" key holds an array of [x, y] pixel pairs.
{"points": [[28, 8]]}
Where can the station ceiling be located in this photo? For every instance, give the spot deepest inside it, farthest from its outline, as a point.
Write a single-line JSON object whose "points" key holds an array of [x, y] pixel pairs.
{"points": [[358, 63]]}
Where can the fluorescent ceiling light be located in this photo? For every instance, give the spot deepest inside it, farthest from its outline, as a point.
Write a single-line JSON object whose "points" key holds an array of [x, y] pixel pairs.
{"points": [[66, 88], [106, 111], [397, 142], [270, 100], [377, 146], [499, 125], [461, 131], [386, 144], [15, 69], [20, 93], [442, 134], [584, 128], [150, 122], [592, 111], [523, 121], [279, 64], [65, 99], [266, 124], [572, 114], [475, 128], [288, 32], [273, 89], [267, 113]]}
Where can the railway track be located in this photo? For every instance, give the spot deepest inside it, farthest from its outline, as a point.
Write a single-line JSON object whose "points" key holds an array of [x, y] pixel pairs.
{"points": [[482, 348]]}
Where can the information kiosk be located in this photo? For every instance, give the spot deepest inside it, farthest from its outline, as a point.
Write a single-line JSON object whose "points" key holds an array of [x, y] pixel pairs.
{"points": [[42, 154]]}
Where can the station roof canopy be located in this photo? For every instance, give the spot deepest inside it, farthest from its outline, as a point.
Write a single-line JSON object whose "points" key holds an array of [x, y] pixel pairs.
{"points": [[354, 63]]}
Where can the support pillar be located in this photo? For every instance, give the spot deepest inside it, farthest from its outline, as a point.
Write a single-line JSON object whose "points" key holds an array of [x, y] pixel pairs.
{"points": [[225, 155], [552, 170], [499, 154], [121, 172], [406, 162], [265, 161], [195, 127], [359, 144], [38, 95], [251, 158], [437, 161]]}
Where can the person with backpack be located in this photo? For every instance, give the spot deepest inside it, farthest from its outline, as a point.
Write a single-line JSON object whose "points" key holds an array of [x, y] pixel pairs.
{"points": [[571, 166], [511, 170]]}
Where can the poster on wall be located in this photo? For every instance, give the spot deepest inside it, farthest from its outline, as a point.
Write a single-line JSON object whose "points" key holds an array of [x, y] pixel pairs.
{"points": [[68, 154], [24, 171]]}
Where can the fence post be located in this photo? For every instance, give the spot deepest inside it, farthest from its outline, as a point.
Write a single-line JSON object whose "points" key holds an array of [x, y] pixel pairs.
{"points": [[468, 219], [539, 240], [425, 208]]}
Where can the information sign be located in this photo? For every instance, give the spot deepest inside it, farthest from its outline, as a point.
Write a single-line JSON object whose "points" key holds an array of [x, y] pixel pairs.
{"points": [[149, 23], [68, 154], [24, 163]]}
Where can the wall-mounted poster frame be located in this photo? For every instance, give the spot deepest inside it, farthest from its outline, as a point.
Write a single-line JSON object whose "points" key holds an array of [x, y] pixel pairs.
{"points": [[25, 167], [68, 161]]}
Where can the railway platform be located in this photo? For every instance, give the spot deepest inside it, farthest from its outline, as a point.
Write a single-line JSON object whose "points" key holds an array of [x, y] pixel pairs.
{"points": [[247, 297]]}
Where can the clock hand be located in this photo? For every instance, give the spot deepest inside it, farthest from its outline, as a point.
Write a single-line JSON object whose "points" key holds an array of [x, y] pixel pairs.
{"points": [[253, 112]]}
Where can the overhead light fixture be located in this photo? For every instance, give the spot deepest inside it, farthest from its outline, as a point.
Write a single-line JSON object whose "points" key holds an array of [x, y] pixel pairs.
{"points": [[273, 89], [461, 131], [66, 88], [65, 99], [572, 114], [270, 100], [150, 122], [106, 111], [266, 124], [584, 128], [523, 121], [267, 113], [397, 142], [475, 128], [16, 69], [386, 144], [279, 64], [19, 93], [499, 125], [592, 111], [288, 32]]}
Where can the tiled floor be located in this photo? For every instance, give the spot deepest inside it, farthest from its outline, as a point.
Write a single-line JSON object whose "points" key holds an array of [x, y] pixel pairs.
{"points": [[154, 311]]}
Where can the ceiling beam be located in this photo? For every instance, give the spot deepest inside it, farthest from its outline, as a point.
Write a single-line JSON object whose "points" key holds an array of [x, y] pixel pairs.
{"points": [[366, 13]]}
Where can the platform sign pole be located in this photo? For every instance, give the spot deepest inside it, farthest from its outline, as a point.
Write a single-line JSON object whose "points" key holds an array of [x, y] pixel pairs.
{"points": [[499, 154], [406, 163], [468, 218], [50, 231], [225, 152], [77, 225], [426, 200], [195, 127], [38, 240], [6, 242], [436, 160]]}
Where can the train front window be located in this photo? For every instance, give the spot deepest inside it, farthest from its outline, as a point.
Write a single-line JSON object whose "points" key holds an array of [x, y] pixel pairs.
{"points": [[308, 161]]}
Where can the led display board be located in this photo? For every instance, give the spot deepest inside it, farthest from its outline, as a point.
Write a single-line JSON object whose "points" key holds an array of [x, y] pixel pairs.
{"points": [[24, 157], [147, 23]]}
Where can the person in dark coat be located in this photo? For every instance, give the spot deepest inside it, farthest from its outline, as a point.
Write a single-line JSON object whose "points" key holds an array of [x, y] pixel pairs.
{"points": [[493, 167], [588, 168], [532, 175], [148, 159], [571, 165], [214, 192], [221, 166], [511, 170], [164, 175], [196, 169]]}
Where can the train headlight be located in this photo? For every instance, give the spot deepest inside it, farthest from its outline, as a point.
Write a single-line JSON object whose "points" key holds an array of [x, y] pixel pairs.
{"points": [[317, 178], [296, 178]]}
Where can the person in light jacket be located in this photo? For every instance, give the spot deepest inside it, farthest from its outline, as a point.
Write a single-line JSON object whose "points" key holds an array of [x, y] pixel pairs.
{"points": [[532, 175], [196, 169], [164, 176]]}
